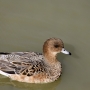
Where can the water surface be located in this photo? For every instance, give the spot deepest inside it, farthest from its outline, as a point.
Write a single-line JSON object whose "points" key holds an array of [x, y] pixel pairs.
{"points": [[25, 25]]}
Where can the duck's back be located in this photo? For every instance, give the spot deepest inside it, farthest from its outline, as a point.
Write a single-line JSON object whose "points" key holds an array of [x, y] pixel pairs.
{"points": [[21, 62]]}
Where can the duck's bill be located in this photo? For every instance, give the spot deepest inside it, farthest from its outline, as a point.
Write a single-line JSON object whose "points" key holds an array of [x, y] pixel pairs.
{"points": [[65, 51]]}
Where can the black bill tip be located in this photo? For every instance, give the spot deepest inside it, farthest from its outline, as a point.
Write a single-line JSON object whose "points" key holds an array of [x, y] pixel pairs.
{"points": [[70, 53]]}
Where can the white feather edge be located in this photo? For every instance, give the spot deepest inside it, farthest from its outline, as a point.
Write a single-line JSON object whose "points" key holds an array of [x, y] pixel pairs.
{"points": [[5, 74]]}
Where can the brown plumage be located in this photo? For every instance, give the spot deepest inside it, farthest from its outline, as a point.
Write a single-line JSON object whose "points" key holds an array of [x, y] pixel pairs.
{"points": [[32, 67]]}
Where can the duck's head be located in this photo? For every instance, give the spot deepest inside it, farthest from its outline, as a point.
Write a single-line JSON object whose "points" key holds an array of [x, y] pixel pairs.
{"points": [[53, 46]]}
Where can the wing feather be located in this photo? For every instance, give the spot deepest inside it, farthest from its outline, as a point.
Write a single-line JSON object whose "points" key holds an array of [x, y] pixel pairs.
{"points": [[25, 63]]}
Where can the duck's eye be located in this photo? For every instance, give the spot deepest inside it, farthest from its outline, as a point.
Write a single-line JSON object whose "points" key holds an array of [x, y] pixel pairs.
{"points": [[56, 46]]}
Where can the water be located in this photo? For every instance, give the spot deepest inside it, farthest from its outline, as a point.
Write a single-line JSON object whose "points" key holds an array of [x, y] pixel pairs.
{"points": [[25, 25]]}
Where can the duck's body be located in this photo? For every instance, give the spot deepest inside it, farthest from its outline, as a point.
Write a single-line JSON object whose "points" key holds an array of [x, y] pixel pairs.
{"points": [[33, 67]]}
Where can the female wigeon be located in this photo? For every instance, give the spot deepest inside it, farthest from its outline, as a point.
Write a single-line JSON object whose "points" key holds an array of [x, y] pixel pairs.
{"points": [[32, 67]]}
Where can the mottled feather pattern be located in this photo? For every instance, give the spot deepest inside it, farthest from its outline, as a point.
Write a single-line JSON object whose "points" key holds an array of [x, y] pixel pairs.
{"points": [[26, 63]]}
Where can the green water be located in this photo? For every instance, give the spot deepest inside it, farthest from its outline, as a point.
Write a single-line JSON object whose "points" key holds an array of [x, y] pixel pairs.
{"points": [[26, 24]]}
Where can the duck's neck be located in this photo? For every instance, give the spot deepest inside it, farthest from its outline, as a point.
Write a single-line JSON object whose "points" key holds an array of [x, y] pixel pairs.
{"points": [[50, 57]]}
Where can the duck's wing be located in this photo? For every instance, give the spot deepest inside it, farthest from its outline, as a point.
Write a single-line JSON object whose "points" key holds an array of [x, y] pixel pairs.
{"points": [[25, 63]]}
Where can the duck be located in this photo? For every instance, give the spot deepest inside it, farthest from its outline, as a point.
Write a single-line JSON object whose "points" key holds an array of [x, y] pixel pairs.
{"points": [[34, 67]]}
